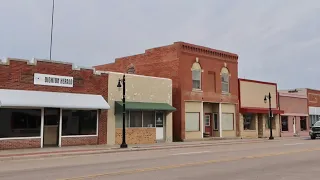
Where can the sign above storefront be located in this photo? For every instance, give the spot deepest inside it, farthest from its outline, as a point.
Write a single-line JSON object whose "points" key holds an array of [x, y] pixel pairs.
{"points": [[52, 80]]}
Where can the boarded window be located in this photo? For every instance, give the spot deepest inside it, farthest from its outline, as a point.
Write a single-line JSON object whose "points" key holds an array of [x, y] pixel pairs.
{"points": [[192, 122]]}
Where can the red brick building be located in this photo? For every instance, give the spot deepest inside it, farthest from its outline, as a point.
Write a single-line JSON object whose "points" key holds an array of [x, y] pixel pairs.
{"points": [[48, 103], [295, 120], [205, 86]]}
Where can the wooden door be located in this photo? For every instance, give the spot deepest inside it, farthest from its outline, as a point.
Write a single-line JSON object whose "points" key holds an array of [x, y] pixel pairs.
{"points": [[208, 124]]}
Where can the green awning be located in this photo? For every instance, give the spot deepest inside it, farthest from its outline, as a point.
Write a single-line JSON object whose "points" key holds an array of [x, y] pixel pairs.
{"points": [[143, 106]]}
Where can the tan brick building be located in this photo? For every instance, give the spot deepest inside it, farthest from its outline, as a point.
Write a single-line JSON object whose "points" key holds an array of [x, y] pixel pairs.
{"points": [[254, 111], [49, 103], [149, 109], [204, 86]]}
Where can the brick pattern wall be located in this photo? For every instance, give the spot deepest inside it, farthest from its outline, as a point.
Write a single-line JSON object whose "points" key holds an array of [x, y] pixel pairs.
{"points": [[18, 74], [313, 97], [76, 141], [137, 135], [175, 61], [20, 143], [293, 105]]}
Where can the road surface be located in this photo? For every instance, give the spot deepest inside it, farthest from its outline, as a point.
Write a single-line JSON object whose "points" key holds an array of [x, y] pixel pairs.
{"points": [[281, 160]]}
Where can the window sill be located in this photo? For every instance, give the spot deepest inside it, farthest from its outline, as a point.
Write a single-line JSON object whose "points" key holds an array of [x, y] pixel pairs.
{"points": [[226, 93], [18, 138], [250, 130], [197, 90], [75, 136]]}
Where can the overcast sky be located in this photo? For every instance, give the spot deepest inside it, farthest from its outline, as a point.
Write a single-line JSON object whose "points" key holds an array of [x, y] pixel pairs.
{"points": [[276, 40]]}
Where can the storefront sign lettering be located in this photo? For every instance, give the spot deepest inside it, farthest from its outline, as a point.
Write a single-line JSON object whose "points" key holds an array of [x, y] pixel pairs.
{"points": [[53, 80]]}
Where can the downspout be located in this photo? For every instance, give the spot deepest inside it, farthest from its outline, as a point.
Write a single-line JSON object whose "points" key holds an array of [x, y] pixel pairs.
{"points": [[280, 122]]}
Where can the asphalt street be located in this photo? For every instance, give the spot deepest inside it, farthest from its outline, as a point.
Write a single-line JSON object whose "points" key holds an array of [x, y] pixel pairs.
{"points": [[290, 159]]}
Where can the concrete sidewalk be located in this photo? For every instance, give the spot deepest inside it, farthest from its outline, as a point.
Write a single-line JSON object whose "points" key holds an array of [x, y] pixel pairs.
{"points": [[99, 149]]}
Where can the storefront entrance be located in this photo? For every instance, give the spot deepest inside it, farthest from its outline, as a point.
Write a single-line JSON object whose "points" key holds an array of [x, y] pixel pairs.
{"points": [[260, 125], [208, 124], [51, 127]]}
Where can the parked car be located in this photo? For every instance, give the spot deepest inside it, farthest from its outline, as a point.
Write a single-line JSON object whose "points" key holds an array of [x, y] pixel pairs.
{"points": [[315, 130]]}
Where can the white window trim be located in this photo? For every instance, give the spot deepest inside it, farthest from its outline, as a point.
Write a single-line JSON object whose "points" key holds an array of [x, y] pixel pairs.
{"points": [[228, 83], [197, 89], [26, 138], [80, 135], [20, 138], [205, 117]]}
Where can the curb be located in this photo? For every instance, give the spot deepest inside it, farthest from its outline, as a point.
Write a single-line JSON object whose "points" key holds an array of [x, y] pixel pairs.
{"points": [[118, 150]]}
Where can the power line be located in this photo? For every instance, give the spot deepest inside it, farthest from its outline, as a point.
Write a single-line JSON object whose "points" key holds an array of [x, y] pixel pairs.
{"points": [[51, 28]]}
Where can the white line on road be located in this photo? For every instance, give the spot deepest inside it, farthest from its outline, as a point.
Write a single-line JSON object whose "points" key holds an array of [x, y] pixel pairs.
{"points": [[199, 152], [293, 144]]}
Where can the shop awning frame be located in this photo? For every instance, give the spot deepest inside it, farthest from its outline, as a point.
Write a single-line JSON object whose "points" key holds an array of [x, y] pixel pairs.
{"points": [[260, 110], [143, 106], [27, 99]]}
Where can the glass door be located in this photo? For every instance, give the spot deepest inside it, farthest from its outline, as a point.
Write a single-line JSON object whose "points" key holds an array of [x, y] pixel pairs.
{"points": [[159, 125]]}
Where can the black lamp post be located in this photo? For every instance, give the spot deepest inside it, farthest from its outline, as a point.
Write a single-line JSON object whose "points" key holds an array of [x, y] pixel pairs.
{"points": [[123, 82], [268, 98]]}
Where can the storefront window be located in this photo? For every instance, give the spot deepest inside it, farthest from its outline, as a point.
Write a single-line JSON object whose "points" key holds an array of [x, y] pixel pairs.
{"points": [[148, 119], [79, 122], [303, 123], [135, 119], [227, 121], [119, 120], [192, 121], [314, 119], [284, 123], [267, 125], [140, 119], [20, 123], [249, 122]]}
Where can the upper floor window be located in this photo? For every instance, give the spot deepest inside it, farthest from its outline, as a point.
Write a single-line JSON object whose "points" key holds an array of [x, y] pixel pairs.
{"points": [[196, 75], [225, 80]]}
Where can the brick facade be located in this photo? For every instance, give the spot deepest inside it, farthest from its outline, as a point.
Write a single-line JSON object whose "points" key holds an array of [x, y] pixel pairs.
{"points": [[175, 61], [20, 143], [313, 97], [293, 105], [18, 74]]}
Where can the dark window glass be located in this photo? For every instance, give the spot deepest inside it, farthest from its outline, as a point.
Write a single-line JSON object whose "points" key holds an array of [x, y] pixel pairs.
{"points": [[79, 122], [303, 123], [284, 123], [215, 121], [20, 123], [249, 122], [159, 119], [135, 119], [148, 119]]}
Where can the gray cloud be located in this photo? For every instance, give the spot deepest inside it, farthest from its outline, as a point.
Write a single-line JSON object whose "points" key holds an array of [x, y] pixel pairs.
{"points": [[276, 40]]}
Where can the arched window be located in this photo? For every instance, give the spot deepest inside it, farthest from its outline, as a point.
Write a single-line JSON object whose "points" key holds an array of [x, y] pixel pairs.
{"points": [[225, 80], [196, 76]]}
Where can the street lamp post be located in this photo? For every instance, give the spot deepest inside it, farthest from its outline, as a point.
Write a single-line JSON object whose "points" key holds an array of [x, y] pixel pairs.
{"points": [[268, 98], [123, 82]]}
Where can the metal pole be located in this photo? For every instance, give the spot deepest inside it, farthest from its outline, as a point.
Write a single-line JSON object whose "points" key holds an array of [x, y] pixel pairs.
{"points": [[270, 117], [51, 28], [123, 144]]}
